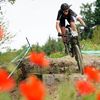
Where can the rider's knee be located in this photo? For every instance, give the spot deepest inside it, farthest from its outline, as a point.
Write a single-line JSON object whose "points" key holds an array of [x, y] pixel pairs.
{"points": [[63, 30]]}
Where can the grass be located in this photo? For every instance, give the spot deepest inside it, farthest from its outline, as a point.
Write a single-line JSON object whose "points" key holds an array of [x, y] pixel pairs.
{"points": [[64, 91], [67, 91], [57, 55], [5, 96], [89, 45]]}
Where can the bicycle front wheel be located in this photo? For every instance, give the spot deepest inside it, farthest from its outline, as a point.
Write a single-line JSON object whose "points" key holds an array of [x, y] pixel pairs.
{"points": [[66, 49], [79, 59]]}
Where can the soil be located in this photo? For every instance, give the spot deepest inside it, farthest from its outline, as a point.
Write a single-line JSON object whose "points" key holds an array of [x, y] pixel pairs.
{"points": [[52, 78]]}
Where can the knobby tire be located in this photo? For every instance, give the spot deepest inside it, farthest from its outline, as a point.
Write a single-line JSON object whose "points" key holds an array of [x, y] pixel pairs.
{"points": [[78, 57]]}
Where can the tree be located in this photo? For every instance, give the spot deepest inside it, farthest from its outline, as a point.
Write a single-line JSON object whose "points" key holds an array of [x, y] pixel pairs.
{"points": [[53, 46], [97, 12], [50, 46], [88, 14], [60, 45], [12, 1], [38, 48]]}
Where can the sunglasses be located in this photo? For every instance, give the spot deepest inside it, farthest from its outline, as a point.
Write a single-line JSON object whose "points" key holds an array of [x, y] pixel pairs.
{"points": [[65, 11]]}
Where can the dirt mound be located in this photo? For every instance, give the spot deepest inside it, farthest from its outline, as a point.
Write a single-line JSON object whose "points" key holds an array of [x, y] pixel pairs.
{"points": [[91, 60], [57, 65], [64, 62]]}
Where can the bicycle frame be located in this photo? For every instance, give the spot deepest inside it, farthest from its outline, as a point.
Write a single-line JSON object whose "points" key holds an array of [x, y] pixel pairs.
{"points": [[73, 48], [71, 39]]}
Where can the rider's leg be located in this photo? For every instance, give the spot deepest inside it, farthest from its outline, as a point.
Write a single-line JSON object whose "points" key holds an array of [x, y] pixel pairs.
{"points": [[74, 30], [63, 30], [71, 21], [73, 26], [64, 38]]}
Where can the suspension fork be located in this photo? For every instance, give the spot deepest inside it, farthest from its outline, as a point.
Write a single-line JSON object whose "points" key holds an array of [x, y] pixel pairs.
{"points": [[74, 41]]}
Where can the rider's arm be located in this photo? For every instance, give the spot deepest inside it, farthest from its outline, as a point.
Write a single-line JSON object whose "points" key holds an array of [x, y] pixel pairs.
{"points": [[58, 21], [81, 20], [77, 17], [57, 26]]}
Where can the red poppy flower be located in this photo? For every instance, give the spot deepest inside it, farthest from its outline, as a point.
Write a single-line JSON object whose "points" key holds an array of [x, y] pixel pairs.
{"points": [[32, 89], [39, 59], [92, 73], [98, 76], [98, 96], [1, 32], [84, 87], [6, 84]]}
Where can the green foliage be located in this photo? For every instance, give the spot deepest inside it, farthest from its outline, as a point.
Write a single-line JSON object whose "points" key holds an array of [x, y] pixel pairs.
{"points": [[97, 12], [89, 45], [57, 55], [94, 42], [7, 57], [87, 14], [12, 1], [52, 46], [37, 48], [96, 35], [89, 97], [91, 13], [60, 45]]}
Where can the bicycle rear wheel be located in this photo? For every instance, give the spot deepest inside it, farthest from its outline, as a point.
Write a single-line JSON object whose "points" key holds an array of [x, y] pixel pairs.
{"points": [[79, 59]]}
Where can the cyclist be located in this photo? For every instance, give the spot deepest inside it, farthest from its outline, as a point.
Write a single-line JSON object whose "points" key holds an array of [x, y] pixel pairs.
{"points": [[66, 13]]}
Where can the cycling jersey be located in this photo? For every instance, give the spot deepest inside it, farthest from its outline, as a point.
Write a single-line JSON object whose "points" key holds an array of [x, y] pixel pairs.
{"points": [[69, 16]]}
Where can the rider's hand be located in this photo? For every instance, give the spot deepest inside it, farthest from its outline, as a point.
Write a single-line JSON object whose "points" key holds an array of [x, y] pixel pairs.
{"points": [[59, 34], [86, 28]]}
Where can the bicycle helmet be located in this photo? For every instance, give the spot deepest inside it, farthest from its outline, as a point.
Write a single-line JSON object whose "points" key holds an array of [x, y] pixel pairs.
{"points": [[65, 6]]}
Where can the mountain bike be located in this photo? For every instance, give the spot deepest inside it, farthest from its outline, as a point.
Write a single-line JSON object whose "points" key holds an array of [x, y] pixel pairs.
{"points": [[72, 47]]}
